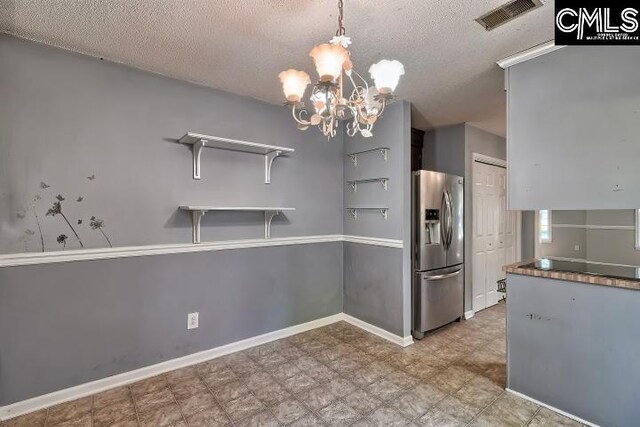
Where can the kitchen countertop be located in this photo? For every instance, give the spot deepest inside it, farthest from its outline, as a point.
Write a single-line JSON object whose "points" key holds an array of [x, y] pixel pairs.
{"points": [[533, 267]]}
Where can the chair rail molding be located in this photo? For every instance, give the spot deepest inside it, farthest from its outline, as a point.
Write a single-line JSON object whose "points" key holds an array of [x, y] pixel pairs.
{"points": [[595, 226], [34, 258]]}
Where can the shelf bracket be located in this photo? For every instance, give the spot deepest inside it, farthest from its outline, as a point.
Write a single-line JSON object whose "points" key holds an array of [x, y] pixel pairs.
{"points": [[383, 181], [268, 161], [268, 217], [197, 150], [196, 217], [385, 153], [383, 211]]}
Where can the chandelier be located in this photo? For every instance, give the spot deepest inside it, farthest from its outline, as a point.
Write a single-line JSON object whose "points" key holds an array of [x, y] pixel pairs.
{"points": [[333, 64]]}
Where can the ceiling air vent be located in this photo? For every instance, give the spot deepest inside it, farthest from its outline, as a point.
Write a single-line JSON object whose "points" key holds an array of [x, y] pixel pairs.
{"points": [[507, 12]]}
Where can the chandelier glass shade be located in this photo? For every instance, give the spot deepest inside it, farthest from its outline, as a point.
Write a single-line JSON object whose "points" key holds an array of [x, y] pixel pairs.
{"points": [[360, 109], [294, 83], [386, 75], [328, 59]]}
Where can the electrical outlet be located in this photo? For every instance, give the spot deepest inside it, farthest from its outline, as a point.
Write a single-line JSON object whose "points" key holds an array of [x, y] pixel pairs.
{"points": [[192, 320], [576, 248]]}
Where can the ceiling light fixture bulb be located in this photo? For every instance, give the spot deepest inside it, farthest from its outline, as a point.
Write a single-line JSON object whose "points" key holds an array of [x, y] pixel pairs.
{"points": [[328, 59], [294, 84], [386, 75]]}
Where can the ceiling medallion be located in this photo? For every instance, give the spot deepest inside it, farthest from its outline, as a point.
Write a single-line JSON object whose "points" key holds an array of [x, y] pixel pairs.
{"points": [[364, 105]]}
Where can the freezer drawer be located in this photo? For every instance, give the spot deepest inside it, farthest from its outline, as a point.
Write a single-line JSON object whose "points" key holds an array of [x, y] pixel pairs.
{"points": [[438, 298]]}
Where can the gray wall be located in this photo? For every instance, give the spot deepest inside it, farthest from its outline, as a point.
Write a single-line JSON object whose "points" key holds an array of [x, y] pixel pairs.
{"points": [[365, 292], [450, 150], [528, 235], [613, 246], [444, 150], [388, 132], [65, 324], [373, 286], [574, 129], [64, 117], [598, 245], [574, 346]]}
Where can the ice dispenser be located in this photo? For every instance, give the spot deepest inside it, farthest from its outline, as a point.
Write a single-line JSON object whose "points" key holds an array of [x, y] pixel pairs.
{"points": [[432, 226]]}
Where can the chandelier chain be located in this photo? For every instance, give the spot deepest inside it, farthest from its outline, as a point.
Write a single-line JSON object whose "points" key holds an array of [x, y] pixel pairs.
{"points": [[341, 31]]}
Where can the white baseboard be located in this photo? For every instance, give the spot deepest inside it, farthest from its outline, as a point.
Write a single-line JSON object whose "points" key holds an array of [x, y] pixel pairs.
{"points": [[82, 390], [398, 340], [93, 387], [537, 402], [468, 314]]}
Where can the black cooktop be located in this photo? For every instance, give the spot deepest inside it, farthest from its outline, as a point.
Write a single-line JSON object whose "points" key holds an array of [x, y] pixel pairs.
{"points": [[613, 271]]}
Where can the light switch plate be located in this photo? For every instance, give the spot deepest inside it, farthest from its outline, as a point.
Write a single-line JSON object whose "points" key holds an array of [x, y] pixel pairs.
{"points": [[576, 248], [192, 320]]}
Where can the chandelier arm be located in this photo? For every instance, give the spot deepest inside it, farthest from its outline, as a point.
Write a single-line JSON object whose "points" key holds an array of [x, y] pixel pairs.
{"points": [[298, 118], [366, 85], [352, 128], [383, 103], [355, 88], [362, 115]]}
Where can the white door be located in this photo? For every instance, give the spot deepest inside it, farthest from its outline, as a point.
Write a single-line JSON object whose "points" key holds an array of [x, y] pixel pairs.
{"points": [[493, 233]]}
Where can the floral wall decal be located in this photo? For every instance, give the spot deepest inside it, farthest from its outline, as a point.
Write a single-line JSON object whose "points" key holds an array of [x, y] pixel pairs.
{"points": [[97, 224], [28, 233], [62, 239], [56, 209], [32, 208], [59, 208]]}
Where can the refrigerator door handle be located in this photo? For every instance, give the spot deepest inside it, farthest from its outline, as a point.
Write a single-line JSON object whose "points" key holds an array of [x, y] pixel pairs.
{"points": [[442, 276], [449, 219], [444, 228]]}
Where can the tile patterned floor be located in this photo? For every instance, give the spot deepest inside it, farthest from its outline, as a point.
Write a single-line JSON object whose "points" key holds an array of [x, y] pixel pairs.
{"points": [[337, 375]]}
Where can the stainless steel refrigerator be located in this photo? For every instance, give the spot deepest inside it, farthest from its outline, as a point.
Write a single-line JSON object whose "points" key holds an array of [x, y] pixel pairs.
{"points": [[438, 250]]}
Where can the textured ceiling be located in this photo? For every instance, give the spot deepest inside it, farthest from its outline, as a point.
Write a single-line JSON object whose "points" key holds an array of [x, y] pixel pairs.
{"points": [[241, 46]]}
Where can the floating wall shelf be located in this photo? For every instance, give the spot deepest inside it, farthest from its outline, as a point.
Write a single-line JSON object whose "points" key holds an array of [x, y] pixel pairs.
{"points": [[384, 151], [199, 141], [354, 211], [197, 212], [383, 181]]}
